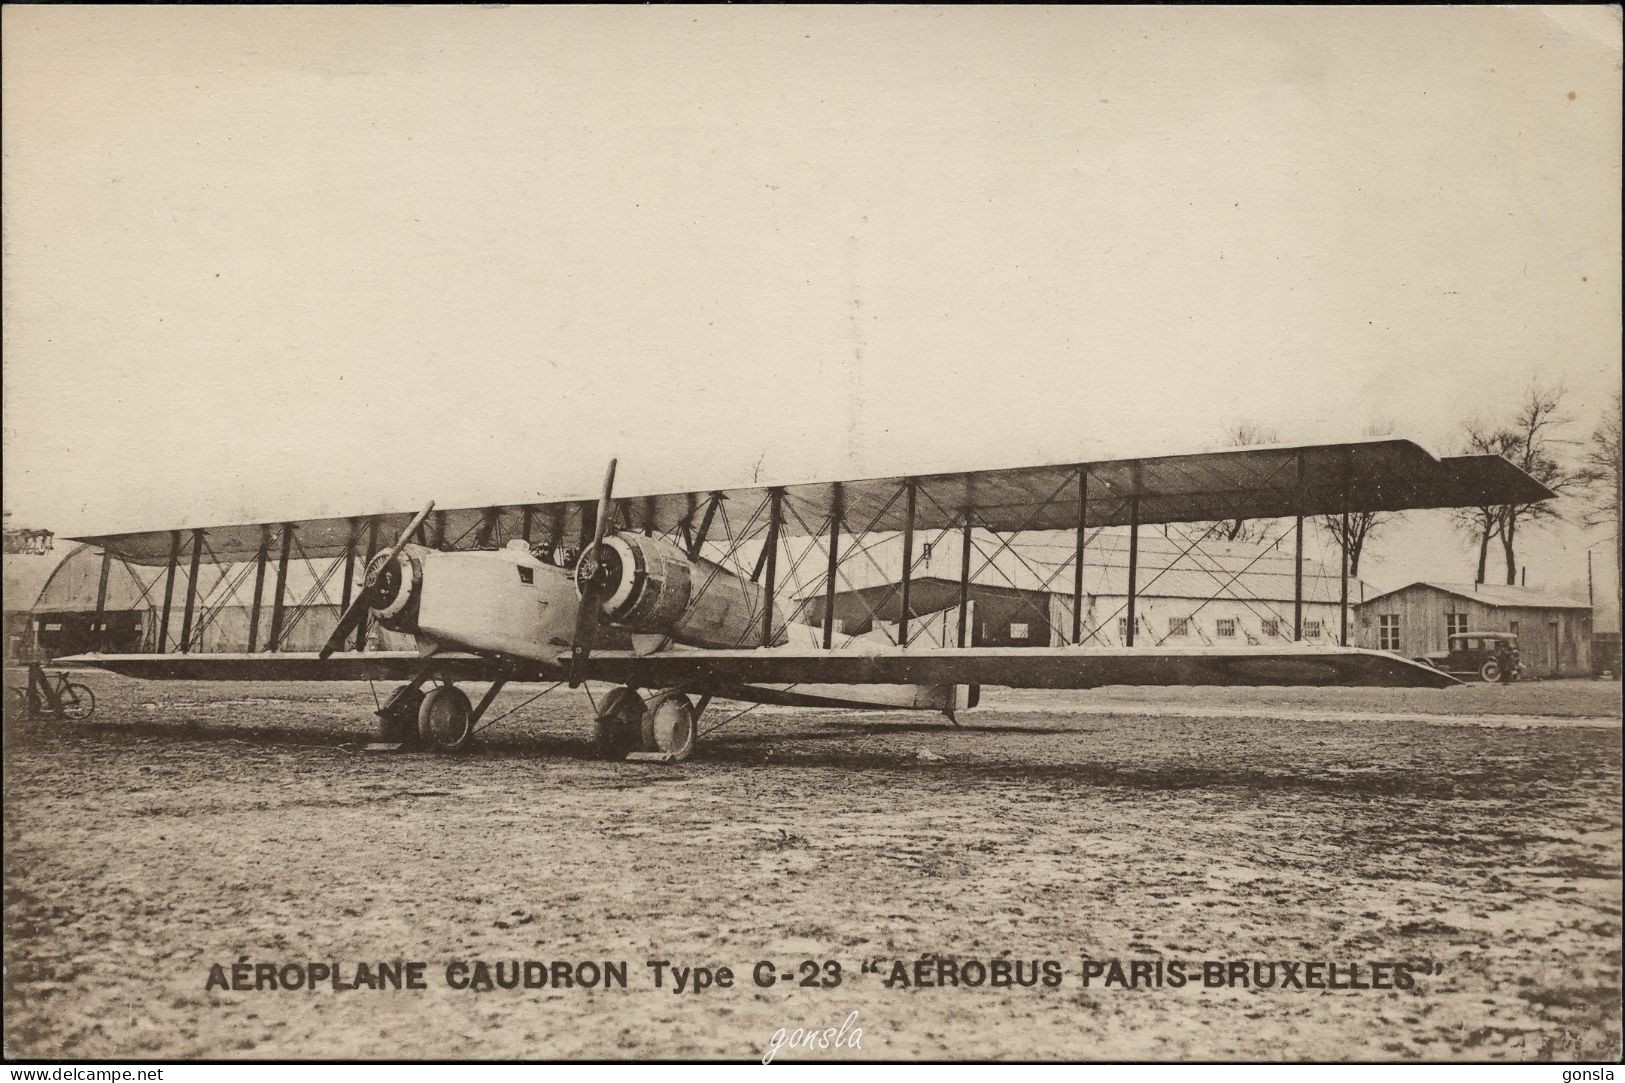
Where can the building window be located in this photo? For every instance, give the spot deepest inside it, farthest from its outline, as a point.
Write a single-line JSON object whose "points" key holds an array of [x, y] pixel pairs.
{"points": [[1311, 629], [1271, 627], [1122, 629], [1388, 632], [1179, 626], [1512, 626], [1225, 627], [1454, 624], [925, 554], [1018, 630]]}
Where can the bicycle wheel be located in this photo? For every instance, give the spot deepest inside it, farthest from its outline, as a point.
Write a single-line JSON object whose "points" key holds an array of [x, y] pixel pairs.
{"points": [[78, 702], [31, 703]]}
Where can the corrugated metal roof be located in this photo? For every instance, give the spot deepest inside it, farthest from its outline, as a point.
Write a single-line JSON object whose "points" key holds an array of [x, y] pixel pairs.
{"points": [[1496, 595]]}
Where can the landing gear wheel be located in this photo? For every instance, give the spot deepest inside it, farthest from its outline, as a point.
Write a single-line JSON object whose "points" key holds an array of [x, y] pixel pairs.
{"points": [[445, 718], [78, 702], [399, 724], [669, 725], [1490, 671], [616, 730]]}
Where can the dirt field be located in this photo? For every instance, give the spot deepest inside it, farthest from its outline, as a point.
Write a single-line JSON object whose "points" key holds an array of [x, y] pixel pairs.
{"points": [[1473, 835]]}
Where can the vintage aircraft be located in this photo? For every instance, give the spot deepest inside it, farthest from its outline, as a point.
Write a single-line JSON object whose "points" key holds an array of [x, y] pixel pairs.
{"points": [[688, 620]]}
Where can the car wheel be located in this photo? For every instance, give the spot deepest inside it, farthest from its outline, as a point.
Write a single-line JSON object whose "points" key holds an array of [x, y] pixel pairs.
{"points": [[1490, 671]]}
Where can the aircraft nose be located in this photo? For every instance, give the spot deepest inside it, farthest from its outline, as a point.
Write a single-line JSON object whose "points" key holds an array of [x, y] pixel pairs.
{"points": [[394, 584]]}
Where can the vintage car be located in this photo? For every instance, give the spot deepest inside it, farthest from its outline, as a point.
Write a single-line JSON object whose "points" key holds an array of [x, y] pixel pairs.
{"points": [[1491, 656]]}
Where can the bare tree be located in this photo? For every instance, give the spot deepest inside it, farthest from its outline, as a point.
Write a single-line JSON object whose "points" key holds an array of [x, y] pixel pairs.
{"points": [[1531, 442], [1245, 434], [1598, 478], [1362, 524], [1535, 429], [1483, 524]]}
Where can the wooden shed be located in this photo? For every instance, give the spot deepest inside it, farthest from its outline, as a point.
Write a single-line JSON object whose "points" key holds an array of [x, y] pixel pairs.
{"points": [[1554, 631]]}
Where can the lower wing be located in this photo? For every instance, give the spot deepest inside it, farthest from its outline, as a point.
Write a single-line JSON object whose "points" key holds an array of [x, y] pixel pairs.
{"points": [[1010, 667], [308, 666]]}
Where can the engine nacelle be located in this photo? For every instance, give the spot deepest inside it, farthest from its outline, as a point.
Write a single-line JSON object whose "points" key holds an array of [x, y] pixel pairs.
{"points": [[397, 588], [657, 589]]}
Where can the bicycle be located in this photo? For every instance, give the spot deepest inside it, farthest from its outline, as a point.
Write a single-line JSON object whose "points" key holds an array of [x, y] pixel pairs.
{"points": [[59, 697]]}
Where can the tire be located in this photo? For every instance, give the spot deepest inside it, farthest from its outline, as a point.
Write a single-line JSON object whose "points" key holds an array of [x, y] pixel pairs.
{"points": [[614, 737], [445, 718], [617, 729], [399, 725], [1490, 671], [669, 726], [78, 702]]}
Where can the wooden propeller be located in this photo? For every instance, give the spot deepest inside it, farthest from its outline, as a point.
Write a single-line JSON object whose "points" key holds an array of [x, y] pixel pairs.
{"points": [[363, 599], [589, 580]]}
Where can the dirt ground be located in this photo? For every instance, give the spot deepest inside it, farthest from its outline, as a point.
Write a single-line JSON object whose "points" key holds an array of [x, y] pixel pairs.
{"points": [[1473, 835]]}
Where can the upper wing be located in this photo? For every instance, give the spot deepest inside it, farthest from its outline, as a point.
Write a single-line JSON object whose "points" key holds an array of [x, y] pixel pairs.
{"points": [[1243, 483]]}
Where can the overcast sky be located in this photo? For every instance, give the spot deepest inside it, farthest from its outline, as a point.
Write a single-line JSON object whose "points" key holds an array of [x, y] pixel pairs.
{"points": [[267, 263]]}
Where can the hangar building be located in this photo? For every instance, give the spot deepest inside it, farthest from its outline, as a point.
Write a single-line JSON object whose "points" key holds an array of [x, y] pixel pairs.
{"points": [[25, 574], [1220, 593], [76, 610]]}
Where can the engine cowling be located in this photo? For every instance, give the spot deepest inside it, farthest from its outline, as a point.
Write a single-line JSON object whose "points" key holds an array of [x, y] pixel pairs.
{"points": [[655, 588], [397, 586]]}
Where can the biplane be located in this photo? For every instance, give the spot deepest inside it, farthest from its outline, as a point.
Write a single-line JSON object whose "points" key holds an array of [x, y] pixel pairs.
{"points": [[676, 599]]}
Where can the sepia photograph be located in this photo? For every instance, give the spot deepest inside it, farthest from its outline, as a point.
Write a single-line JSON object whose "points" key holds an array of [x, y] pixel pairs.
{"points": [[827, 534]]}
